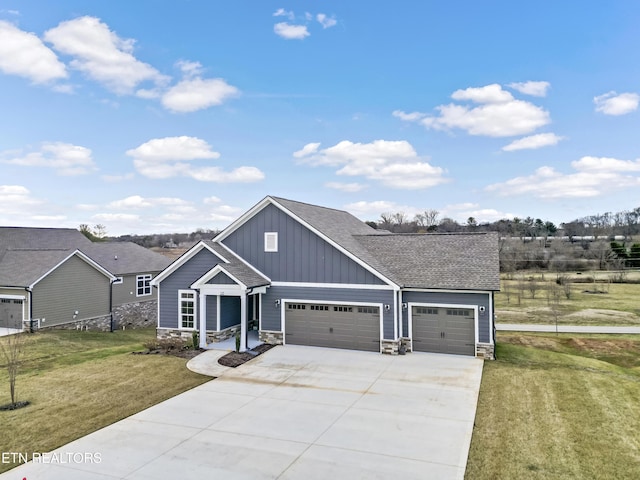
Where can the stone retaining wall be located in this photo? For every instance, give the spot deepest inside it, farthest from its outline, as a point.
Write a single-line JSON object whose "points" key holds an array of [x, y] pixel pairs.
{"points": [[135, 315]]}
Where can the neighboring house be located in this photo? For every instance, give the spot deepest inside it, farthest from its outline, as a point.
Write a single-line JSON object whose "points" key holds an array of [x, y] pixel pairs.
{"points": [[309, 275], [57, 277]]}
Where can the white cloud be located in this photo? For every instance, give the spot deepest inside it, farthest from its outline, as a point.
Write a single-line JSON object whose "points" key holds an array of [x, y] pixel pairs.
{"points": [[308, 149], [211, 200], [127, 218], [281, 12], [291, 32], [393, 163], [488, 94], [65, 158], [172, 156], [325, 21], [119, 178], [102, 55], [612, 103], [189, 69], [18, 197], [594, 176], [533, 142], [462, 211], [497, 115], [346, 187], [24, 54], [194, 94], [536, 89], [408, 117]]}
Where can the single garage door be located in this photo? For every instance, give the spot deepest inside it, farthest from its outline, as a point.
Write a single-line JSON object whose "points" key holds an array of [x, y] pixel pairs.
{"points": [[443, 330], [10, 313], [353, 327]]}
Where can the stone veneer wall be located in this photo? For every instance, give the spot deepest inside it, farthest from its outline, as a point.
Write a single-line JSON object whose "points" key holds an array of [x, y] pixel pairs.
{"points": [[486, 351], [271, 337], [389, 347], [135, 315]]}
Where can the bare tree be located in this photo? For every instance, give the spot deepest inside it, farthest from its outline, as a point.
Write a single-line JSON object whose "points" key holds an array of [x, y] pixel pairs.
{"points": [[427, 220], [12, 347]]}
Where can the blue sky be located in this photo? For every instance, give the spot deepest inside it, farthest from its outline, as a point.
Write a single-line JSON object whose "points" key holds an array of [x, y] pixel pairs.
{"points": [[158, 116]]}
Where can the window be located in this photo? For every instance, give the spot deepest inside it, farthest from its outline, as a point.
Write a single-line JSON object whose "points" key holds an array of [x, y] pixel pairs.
{"points": [[458, 312], [426, 311], [296, 306], [324, 308], [342, 308], [374, 310], [187, 309], [143, 285], [270, 241]]}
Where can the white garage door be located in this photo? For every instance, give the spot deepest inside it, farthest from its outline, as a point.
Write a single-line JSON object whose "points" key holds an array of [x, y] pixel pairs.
{"points": [[354, 327]]}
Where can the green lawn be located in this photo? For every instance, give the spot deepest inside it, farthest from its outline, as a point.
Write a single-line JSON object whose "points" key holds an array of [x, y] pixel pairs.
{"points": [[561, 407], [78, 382], [589, 303]]}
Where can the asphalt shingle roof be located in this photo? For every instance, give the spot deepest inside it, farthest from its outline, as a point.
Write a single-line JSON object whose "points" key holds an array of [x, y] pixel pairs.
{"points": [[236, 267], [122, 258], [21, 268], [440, 261]]}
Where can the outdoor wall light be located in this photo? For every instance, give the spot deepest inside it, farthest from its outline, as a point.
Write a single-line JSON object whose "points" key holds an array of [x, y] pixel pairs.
{"points": [[404, 306], [387, 307], [277, 303]]}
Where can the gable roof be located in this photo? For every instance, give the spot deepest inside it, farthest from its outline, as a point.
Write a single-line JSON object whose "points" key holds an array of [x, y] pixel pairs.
{"points": [[122, 258], [26, 267], [438, 260], [337, 227], [246, 274]]}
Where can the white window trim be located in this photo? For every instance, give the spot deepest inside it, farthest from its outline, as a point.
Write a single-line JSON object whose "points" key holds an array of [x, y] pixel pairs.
{"points": [[195, 311], [270, 241], [146, 278]]}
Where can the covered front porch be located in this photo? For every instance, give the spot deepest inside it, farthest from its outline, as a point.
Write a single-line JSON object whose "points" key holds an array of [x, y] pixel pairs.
{"points": [[228, 307]]}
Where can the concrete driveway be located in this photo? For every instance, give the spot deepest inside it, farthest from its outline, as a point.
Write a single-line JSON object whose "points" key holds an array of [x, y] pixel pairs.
{"points": [[294, 413]]}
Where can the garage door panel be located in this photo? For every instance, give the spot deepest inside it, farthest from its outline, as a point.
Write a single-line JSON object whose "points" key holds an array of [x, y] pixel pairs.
{"points": [[334, 326], [443, 330]]}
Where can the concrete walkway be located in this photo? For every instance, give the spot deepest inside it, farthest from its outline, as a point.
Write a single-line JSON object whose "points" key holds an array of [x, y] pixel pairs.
{"points": [[520, 327], [293, 413]]}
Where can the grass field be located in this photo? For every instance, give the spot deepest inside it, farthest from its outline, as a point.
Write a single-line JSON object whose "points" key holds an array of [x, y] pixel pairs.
{"points": [[597, 303], [78, 382], [561, 407]]}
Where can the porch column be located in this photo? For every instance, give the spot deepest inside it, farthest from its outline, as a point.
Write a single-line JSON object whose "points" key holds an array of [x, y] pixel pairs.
{"points": [[243, 320], [202, 320]]}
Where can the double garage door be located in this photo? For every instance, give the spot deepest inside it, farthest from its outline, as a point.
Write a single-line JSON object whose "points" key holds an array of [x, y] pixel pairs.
{"points": [[443, 330], [355, 327]]}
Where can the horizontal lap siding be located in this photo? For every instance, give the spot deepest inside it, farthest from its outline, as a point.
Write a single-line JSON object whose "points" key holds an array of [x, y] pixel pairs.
{"points": [[271, 315], [302, 256], [73, 286], [181, 279], [125, 292], [479, 299]]}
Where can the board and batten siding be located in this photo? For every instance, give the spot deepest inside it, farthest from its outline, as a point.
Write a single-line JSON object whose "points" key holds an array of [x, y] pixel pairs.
{"points": [[229, 312], [302, 256], [182, 279], [73, 286], [453, 298], [271, 315]]}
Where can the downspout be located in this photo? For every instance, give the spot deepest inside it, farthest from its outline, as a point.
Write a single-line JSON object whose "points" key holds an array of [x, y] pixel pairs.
{"points": [[111, 305], [28, 289]]}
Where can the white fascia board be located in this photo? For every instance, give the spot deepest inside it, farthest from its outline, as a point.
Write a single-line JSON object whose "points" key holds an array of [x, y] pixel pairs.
{"points": [[184, 258], [440, 290], [361, 286], [82, 257], [13, 297], [242, 260], [202, 281], [268, 200]]}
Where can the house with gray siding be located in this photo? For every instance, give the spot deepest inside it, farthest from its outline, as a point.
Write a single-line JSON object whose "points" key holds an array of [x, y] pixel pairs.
{"points": [[310, 275], [56, 277]]}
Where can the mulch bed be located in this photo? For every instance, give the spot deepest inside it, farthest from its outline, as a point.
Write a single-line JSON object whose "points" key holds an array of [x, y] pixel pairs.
{"points": [[187, 353], [234, 359]]}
